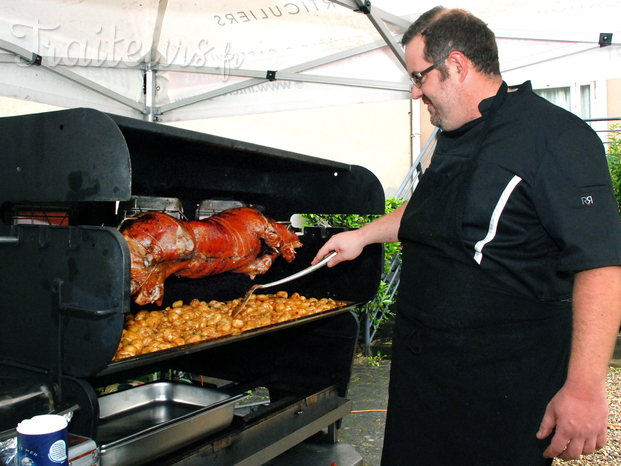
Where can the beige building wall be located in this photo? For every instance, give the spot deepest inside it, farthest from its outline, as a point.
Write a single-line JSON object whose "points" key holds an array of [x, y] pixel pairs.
{"points": [[426, 128], [376, 136], [614, 97], [10, 107]]}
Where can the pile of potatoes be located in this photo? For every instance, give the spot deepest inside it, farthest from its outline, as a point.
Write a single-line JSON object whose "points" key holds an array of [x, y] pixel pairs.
{"points": [[183, 324]]}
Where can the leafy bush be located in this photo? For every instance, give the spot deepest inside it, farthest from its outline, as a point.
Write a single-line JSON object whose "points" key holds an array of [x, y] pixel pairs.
{"points": [[379, 308], [614, 160]]}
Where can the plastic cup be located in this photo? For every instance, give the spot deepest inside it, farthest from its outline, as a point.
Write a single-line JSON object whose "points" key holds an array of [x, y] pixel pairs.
{"points": [[42, 441]]}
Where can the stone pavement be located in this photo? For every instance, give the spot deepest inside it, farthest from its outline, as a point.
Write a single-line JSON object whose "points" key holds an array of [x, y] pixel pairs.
{"points": [[368, 390]]}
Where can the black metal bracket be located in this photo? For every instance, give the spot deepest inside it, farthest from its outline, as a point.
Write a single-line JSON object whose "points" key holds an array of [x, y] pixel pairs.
{"points": [[271, 75], [34, 60], [366, 8], [605, 39], [72, 307]]}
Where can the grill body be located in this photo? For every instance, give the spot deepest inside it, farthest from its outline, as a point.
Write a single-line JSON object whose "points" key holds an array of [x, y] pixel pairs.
{"points": [[65, 283]]}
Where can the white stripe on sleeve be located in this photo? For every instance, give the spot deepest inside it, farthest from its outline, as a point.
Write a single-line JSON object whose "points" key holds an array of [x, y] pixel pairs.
{"points": [[493, 223]]}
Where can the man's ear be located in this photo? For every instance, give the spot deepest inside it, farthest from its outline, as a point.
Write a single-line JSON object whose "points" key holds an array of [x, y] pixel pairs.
{"points": [[460, 63]]}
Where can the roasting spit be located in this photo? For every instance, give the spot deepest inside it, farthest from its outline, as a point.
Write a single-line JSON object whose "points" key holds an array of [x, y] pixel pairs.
{"points": [[69, 179]]}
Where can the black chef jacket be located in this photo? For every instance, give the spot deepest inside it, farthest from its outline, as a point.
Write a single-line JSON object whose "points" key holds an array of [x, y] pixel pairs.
{"points": [[541, 204], [508, 210]]}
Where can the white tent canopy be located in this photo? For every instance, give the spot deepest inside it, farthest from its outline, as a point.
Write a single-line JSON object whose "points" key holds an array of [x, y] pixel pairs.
{"points": [[195, 60], [172, 60]]}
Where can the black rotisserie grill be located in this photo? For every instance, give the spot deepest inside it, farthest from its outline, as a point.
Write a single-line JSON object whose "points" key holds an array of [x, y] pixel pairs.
{"points": [[65, 283]]}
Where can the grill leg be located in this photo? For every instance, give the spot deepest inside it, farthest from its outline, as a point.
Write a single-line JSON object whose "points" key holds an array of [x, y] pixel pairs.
{"points": [[333, 433]]}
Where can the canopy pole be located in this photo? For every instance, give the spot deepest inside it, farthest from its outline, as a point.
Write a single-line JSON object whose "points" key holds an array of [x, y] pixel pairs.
{"points": [[377, 18], [149, 92]]}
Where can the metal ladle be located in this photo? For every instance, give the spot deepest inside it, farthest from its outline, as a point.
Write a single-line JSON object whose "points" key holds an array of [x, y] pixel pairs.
{"points": [[299, 274]]}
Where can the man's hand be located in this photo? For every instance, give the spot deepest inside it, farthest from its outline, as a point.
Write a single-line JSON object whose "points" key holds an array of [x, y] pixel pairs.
{"points": [[348, 246], [579, 411], [581, 421]]}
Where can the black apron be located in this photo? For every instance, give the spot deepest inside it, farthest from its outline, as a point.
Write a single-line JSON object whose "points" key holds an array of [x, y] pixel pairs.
{"points": [[474, 362]]}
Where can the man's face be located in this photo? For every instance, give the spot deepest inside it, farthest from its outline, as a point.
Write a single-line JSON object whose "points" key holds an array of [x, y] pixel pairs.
{"points": [[436, 91]]}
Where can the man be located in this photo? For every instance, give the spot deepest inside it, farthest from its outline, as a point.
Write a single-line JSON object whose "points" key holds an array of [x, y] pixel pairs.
{"points": [[510, 295]]}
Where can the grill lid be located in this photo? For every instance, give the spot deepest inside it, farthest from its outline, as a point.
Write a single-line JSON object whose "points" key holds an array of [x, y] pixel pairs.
{"points": [[83, 155], [66, 156]]}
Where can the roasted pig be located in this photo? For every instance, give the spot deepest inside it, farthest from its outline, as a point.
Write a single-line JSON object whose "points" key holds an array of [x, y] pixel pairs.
{"points": [[238, 240]]}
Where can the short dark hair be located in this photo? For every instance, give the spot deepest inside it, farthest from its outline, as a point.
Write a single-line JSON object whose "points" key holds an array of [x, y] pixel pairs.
{"points": [[447, 30], [421, 23]]}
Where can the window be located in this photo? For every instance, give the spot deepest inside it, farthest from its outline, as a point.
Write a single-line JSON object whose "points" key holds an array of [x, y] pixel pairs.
{"points": [[577, 98], [560, 96], [585, 101]]}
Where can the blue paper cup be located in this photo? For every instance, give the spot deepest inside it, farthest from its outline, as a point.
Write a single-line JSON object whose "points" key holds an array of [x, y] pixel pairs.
{"points": [[42, 441]]}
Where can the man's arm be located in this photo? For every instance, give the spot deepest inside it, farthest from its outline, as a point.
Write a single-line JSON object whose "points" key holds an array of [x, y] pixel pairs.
{"points": [[350, 244], [579, 411]]}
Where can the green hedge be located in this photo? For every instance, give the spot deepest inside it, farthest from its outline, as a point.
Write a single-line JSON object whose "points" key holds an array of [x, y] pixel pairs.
{"points": [[379, 308], [614, 160]]}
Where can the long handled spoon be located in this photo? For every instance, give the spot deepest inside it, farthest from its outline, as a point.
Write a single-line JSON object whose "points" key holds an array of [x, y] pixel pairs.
{"points": [[299, 274]]}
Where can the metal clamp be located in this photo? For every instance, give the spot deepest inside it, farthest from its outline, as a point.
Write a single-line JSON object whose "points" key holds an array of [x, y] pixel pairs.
{"points": [[364, 6], [35, 59], [605, 39], [73, 307]]}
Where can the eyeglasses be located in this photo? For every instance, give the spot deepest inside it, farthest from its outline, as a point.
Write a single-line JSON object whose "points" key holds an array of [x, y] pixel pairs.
{"points": [[417, 79]]}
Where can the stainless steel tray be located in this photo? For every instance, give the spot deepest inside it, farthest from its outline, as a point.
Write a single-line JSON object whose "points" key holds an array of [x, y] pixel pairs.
{"points": [[148, 421]]}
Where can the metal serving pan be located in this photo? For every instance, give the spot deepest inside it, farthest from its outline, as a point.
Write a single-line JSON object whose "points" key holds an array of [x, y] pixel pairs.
{"points": [[150, 420]]}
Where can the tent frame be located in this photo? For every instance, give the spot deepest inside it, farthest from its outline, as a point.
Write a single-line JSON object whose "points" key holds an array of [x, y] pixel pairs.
{"points": [[150, 66]]}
